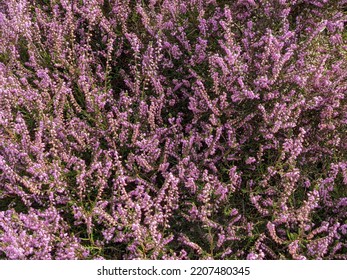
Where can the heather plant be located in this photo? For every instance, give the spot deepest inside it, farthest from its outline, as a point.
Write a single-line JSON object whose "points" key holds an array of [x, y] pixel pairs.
{"points": [[173, 129]]}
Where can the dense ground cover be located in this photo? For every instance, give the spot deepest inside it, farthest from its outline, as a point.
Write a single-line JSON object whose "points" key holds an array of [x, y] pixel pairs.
{"points": [[173, 129]]}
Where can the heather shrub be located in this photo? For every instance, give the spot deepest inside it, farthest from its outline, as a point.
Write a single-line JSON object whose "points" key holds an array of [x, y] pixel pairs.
{"points": [[173, 129]]}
